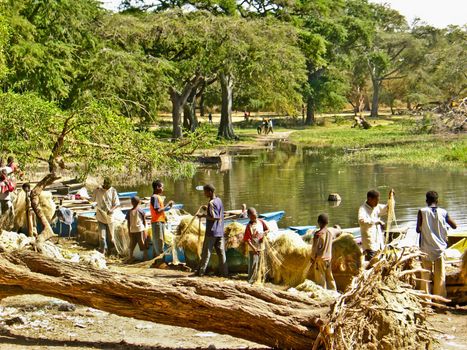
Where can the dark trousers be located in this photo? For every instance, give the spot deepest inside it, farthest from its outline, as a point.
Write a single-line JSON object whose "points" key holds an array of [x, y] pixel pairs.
{"points": [[219, 244]]}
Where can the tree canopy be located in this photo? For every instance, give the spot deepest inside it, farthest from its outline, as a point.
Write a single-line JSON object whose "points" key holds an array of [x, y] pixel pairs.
{"points": [[168, 56]]}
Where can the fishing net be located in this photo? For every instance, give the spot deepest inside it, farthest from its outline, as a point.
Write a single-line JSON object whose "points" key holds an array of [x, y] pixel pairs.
{"points": [[233, 234], [289, 258], [315, 291], [346, 255], [380, 310], [121, 237], [190, 234], [10, 241], [46, 203]]}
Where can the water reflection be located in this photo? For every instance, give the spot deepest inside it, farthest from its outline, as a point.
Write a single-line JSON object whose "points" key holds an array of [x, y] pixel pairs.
{"points": [[299, 181]]}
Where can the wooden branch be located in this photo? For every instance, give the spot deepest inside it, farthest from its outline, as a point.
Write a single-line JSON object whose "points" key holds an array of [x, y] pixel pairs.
{"points": [[274, 318]]}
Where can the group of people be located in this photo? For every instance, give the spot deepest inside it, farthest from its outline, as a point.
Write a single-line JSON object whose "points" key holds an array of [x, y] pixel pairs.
{"points": [[432, 225], [266, 126]]}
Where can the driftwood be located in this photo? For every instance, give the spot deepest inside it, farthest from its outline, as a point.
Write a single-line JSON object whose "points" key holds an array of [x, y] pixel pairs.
{"points": [[380, 310], [274, 318]]}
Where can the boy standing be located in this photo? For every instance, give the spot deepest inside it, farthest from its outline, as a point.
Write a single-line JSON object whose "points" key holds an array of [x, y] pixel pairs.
{"points": [[214, 237], [255, 233], [321, 254], [158, 218], [136, 219], [432, 224]]}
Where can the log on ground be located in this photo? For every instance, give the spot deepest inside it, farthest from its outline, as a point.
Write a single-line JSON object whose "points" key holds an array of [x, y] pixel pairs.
{"points": [[286, 321]]}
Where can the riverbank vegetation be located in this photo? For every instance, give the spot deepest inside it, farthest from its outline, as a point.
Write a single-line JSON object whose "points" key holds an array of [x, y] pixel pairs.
{"points": [[394, 141]]}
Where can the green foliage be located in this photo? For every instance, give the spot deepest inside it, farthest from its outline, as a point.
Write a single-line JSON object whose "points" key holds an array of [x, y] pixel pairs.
{"points": [[94, 138], [48, 41], [4, 34]]}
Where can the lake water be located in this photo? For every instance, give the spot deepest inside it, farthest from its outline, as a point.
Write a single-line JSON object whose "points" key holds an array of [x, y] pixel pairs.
{"points": [[298, 180]]}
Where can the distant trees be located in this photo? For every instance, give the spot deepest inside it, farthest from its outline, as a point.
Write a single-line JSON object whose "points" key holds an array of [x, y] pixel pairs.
{"points": [[252, 54]]}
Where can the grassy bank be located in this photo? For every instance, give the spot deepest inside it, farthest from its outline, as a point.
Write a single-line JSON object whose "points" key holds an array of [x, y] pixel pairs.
{"points": [[388, 142]]}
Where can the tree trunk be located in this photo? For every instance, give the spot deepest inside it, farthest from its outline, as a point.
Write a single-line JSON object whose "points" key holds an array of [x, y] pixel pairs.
{"points": [[47, 231], [178, 101], [226, 127], [190, 122], [375, 102], [310, 111], [201, 105], [177, 106], [270, 317]]}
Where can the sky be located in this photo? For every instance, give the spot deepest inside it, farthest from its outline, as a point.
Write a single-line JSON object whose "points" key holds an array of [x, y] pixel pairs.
{"points": [[438, 13]]}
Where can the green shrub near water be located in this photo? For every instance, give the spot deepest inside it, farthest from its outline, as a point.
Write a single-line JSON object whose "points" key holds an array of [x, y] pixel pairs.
{"points": [[391, 143]]}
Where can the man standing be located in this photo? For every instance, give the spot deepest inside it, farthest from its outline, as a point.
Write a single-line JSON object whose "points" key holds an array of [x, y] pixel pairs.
{"points": [[158, 218], [106, 198], [433, 225], [214, 237], [369, 219]]}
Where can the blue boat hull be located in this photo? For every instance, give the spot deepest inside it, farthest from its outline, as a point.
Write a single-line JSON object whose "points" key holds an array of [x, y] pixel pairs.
{"points": [[272, 216]]}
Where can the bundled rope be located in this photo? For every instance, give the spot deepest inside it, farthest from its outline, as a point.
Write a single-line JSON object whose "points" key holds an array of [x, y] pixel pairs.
{"points": [[380, 310]]}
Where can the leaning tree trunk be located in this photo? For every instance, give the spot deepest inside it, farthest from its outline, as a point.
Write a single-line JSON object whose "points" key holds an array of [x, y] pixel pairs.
{"points": [[274, 318], [226, 127], [375, 102]]}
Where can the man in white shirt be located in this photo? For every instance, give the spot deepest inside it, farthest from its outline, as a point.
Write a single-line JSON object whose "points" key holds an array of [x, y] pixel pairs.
{"points": [[369, 219], [106, 198]]}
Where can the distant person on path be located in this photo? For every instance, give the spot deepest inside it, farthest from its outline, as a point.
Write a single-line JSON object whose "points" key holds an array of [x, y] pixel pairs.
{"points": [[255, 232], [321, 254], [246, 116], [158, 217], [210, 118], [270, 128], [214, 237], [106, 198], [136, 219], [369, 219], [433, 224]]}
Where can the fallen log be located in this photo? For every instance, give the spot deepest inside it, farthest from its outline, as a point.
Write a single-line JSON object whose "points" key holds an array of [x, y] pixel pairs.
{"points": [[266, 316]]}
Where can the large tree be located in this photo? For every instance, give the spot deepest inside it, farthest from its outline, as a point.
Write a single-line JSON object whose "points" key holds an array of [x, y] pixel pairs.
{"points": [[259, 57], [48, 42]]}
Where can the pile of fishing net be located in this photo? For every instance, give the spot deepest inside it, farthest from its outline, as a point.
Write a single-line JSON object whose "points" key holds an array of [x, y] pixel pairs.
{"points": [[46, 203], [190, 234], [233, 234], [288, 258], [346, 255], [10, 241], [380, 310], [315, 291]]}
